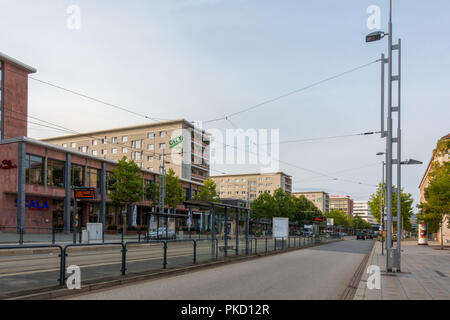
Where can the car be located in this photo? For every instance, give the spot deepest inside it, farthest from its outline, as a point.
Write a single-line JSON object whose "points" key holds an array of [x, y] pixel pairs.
{"points": [[369, 236], [360, 236], [161, 234]]}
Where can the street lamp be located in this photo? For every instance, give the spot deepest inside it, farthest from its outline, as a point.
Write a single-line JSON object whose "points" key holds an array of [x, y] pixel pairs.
{"points": [[393, 260]]}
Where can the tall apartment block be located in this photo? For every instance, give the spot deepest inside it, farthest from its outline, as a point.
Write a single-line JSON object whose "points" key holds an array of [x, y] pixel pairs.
{"points": [[343, 204], [362, 209], [184, 146], [320, 199], [250, 186]]}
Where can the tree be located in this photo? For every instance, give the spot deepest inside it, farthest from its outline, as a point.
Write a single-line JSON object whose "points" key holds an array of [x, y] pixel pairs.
{"points": [[436, 207], [174, 191], [127, 186], [406, 207], [340, 218], [263, 206], [208, 191], [305, 210]]}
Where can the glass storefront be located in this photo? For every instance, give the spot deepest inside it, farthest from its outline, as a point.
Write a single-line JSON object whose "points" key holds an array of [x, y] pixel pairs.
{"points": [[58, 214], [55, 173], [34, 167], [1, 100], [77, 175]]}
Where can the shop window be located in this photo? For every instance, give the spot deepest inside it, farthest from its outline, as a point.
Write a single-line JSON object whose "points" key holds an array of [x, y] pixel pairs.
{"points": [[34, 169], [77, 175], [93, 178], [55, 173]]}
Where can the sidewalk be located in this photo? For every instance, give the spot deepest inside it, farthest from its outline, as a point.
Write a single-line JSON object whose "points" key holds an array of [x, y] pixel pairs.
{"points": [[425, 274]]}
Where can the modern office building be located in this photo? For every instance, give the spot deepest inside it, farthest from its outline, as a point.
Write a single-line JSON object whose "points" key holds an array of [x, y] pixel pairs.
{"points": [[184, 146], [362, 209], [250, 186], [424, 183], [344, 204], [37, 178], [320, 199]]}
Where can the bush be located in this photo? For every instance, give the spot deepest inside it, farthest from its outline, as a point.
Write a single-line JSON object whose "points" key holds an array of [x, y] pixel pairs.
{"points": [[112, 228]]}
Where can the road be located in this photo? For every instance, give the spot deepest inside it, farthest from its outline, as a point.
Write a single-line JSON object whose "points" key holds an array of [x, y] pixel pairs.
{"points": [[321, 272]]}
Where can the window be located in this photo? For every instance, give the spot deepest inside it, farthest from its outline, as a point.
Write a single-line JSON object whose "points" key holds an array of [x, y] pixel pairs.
{"points": [[64, 145], [73, 145], [162, 145], [136, 156], [94, 142], [83, 149], [114, 151], [105, 141], [151, 135], [114, 140], [93, 178], [55, 173], [104, 152], [162, 134], [124, 139], [77, 175], [94, 152], [124, 150], [137, 144], [149, 158], [151, 147], [34, 167]]}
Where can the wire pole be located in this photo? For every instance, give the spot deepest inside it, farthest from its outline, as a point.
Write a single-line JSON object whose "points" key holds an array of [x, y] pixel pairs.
{"points": [[162, 193]]}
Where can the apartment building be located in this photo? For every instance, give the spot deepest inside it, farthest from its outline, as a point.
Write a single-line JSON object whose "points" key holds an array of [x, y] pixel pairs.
{"points": [[320, 199], [362, 209], [424, 183], [184, 146], [250, 186], [342, 203]]}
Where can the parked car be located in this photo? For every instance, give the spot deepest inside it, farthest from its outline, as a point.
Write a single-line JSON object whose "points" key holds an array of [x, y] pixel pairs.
{"points": [[360, 236], [161, 234]]}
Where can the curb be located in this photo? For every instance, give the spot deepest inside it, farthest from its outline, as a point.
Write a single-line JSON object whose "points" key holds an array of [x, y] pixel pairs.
{"points": [[58, 292], [352, 289], [362, 286]]}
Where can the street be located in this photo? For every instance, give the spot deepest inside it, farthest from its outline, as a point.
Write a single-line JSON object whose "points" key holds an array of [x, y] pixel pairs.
{"points": [[315, 273]]}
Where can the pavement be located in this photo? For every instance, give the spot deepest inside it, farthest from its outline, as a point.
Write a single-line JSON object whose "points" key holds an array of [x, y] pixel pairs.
{"points": [[425, 274], [322, 272]]}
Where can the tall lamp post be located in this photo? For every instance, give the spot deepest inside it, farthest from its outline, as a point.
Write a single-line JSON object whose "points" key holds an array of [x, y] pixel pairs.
{"points": [[393, 255], [382, 213]]}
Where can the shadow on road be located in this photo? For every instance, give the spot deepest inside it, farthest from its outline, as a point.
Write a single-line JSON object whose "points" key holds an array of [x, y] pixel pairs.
{"points": [[348, 246]]}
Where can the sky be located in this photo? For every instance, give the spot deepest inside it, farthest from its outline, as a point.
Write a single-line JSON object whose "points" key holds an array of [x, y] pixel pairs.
{"points": [[205, 59]]}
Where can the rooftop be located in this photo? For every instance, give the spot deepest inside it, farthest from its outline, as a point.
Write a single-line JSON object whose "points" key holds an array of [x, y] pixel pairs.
{"points": [[17, 63]]}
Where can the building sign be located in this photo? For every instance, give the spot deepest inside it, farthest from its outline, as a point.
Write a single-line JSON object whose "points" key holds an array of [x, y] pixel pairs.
{"points": [[320, 219], [35, 205], [7, 164], [175, 142], [84, 193]]}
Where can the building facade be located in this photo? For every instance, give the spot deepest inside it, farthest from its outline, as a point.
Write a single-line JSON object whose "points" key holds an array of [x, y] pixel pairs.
{"points": [[250, 186], [424, 183], [320, 199], [362, 209], [344, 204], [38, 178], [184, 146]]}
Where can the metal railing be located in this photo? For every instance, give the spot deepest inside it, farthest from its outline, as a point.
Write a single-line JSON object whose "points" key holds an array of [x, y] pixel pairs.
{"points": [[253, 246]]}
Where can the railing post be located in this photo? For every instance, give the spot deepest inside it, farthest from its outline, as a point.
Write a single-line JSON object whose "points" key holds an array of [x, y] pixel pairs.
{"points": [[266, 245], [256, 246], [53, 235], [122, 234], [275, 246], [79, 240], [20, 235], [217, 249], [62, 271], [165, 255], [195, 251], [124, 259]]}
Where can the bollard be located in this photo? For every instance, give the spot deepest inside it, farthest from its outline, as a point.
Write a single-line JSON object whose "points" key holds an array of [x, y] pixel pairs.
{"points": [[122, 235]]}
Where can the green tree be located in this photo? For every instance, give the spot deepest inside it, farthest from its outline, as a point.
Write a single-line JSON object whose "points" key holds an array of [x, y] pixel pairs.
{"points": [[174, 191], [406, 207], [127, 186], [284, 205], [208, 191], [436, 207], [263, 206], [305, 210], [340, 218]]}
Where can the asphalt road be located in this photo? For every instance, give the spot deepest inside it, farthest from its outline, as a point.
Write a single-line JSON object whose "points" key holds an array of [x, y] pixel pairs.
{"points": [[321, 272]]}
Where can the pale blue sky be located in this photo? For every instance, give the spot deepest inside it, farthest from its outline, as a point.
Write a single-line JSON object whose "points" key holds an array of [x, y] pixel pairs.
{"points": [[202, 59]]}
